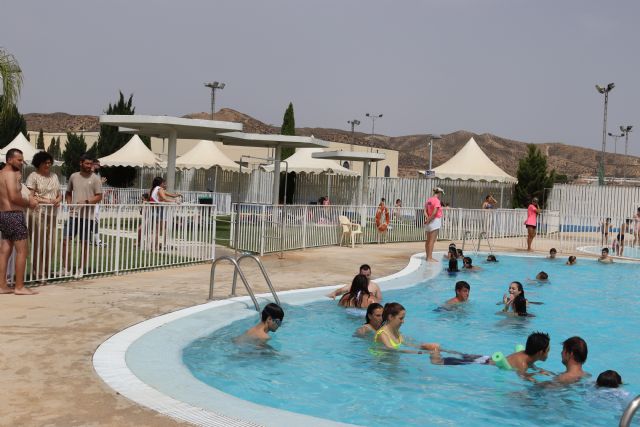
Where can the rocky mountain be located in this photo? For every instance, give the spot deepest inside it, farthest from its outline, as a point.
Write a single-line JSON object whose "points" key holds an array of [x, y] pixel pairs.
{"points": [[414, 149]]}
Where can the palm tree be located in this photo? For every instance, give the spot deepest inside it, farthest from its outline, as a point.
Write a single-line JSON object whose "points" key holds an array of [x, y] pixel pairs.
{"points": [[11, 76]]}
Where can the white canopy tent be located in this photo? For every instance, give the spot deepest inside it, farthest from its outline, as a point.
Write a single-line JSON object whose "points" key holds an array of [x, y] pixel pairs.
{"points": [[133, 154], [471, 163], [303, 162], [21, 143], [205, 155]]}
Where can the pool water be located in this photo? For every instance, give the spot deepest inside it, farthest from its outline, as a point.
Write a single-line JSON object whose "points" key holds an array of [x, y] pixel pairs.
{"points": [[314, 365]]}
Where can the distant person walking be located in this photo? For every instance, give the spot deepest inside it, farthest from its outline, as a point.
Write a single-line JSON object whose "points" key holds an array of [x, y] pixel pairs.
{"points": [[432, 222], [12, 223], [45, 188], [532, 221]]}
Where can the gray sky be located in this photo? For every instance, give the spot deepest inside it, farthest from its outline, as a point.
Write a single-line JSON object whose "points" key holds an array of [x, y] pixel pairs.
{"points": [[519, 69]]}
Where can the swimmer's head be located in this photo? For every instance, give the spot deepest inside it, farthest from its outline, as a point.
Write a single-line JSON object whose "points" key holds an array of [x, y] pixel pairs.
{"points": [[392, 311], [574, 348], [572, 260], [515, 288], [462, 290], [538, 344], [359, 284], [605, 251], [609, 379], [467, 262], [492, 258], [272, 314], [366, 270], [552, 252], [374, 315], [542, 276]]}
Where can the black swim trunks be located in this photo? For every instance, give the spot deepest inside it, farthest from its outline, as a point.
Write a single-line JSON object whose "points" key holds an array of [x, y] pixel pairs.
{"points": [[13, 226]]}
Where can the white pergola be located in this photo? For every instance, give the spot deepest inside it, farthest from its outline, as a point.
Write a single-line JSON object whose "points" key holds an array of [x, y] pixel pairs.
{"points": [[278, 142], [171, 128], [355, 156]]}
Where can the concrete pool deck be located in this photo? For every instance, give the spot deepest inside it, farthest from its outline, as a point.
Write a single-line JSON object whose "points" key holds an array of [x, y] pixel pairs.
{"points": [[48, 340]]}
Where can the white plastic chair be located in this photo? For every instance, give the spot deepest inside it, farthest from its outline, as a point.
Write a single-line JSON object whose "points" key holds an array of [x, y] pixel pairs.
{"points": [[350, 229]]}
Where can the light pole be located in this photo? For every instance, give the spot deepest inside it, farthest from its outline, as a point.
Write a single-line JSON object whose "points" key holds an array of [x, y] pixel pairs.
{"points": [[353, 123], [433, 137], [615, 146], [625, 131], [214, 86], [373, 118], [605, 91]]}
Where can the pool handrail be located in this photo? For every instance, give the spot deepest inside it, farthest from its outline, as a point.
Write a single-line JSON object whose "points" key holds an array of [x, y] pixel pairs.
{"points": [[264, 274], [236, 269], [628, 413], [486, 237], [464, 238]]}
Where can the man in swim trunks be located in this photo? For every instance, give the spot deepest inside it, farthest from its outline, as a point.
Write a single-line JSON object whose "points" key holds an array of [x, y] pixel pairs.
{"points": [[462, 293], [271, 319], [574, 355], [604, 256], [13, 226], [374, 289]]}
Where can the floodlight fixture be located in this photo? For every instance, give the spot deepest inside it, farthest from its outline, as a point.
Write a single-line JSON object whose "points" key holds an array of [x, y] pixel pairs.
{"points": [[213, 86]]}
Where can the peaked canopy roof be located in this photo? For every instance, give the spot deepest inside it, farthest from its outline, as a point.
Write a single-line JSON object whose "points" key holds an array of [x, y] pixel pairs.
{"points": [[471, 163], [133, 154], [205, 155], [302, 161], [22, 144]]}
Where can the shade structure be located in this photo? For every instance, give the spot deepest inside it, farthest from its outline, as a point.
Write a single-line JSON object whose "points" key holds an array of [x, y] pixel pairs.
{"points": [[303, 162], [205, 155], [133, 154], [471, 163], [22, 144]]}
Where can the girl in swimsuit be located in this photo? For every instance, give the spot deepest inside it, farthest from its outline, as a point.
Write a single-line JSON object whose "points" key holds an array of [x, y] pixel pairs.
{"points": [[373, 320], [532, 221], [358, 295], [389, 334]]}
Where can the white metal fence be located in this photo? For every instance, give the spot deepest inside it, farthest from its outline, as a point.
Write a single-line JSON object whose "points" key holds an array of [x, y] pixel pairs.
{"points": [[75, 240], [597, 202]]}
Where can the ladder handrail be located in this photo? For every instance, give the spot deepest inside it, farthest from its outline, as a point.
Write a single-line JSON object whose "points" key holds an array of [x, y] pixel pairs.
{"points": [[484, 233], [464, 238], [236, 270], [628, 413], [264, 274]]}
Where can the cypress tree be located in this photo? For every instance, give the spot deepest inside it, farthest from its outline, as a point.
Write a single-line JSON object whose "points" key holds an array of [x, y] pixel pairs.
{"points": [[288, 128], [40, 140], [75, 148], [52, 146], [532, 178]]}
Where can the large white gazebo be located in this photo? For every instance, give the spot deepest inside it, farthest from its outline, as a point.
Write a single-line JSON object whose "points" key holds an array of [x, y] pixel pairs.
{"points": [[205, 155], [303, 161], [21, 143], [133, 154]]}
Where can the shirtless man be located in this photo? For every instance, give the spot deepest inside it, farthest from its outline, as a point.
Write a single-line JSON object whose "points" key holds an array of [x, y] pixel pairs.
{"points": [[12, 223], [537, 348], [574, 355], [271, 319], [374, 289], [462, 293], [604, 257]]}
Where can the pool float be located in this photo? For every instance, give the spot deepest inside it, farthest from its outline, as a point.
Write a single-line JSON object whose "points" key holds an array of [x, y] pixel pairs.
{"points": [[501, 361], [380, 224]]}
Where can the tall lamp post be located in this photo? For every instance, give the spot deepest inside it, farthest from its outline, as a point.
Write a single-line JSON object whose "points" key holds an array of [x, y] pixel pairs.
{"points": [[214, 86], [615, 137], [605, 91], [353, 123], [373, 118], [625, 131], [433, 138]]}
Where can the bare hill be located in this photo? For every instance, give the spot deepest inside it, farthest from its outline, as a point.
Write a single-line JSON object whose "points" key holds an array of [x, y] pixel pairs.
{"points": [[414, 150]]}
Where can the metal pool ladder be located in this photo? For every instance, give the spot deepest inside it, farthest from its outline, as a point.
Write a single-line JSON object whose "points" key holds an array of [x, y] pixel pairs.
{"points": [[237, 271], [480, 236], [464, 238], [628, 413]]}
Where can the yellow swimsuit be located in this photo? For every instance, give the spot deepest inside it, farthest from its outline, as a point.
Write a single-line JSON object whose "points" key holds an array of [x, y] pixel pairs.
{"points": [[395, 345]]}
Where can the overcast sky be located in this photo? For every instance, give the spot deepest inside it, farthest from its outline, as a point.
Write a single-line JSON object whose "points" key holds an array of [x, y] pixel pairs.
{"points": [[519, 69]]}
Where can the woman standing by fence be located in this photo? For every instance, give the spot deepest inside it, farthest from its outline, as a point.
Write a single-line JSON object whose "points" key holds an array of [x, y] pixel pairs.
{"points": [[532, 221], [159, 194], [432, 221]]}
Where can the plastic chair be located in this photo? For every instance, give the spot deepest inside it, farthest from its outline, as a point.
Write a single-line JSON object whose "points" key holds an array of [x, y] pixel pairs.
{"points": [[350, 229]]}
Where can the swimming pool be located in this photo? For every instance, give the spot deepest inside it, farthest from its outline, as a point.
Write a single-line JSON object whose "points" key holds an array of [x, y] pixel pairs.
{"points": [[629, 252], [315, 367]]}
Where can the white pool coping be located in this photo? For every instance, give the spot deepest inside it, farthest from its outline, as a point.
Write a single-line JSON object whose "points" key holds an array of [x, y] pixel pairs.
{"points": [[110, 359]]}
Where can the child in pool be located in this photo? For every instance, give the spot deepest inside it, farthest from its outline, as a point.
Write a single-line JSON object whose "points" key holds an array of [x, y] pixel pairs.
{"points": [[389, 334]]}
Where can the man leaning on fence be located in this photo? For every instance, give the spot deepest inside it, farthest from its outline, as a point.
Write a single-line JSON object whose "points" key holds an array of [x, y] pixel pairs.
{"points": [[13, 225], [84, 189]]}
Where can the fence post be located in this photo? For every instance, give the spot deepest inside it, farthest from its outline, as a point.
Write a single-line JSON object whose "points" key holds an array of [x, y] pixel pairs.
{"points": [[262, 226], [460, 230], [304, 227], [117, 250]]}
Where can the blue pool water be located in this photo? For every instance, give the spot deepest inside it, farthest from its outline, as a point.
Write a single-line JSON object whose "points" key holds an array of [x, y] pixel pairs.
{"points": [[316, 367]]}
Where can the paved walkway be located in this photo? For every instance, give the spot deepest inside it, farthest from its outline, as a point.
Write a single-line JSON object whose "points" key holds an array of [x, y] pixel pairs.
{"points": [[47, 340]]}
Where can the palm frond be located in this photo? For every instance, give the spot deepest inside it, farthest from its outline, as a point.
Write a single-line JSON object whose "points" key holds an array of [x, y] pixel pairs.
{"points": [[11, 76]]}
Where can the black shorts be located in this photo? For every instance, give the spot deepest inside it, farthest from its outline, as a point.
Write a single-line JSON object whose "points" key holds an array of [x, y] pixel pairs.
{"points": [[532, 227], [81, 227], [13, 226]]}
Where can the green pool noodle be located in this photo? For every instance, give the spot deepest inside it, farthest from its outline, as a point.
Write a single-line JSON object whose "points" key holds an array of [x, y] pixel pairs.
{"points": [[519, 347], [500, 361]]}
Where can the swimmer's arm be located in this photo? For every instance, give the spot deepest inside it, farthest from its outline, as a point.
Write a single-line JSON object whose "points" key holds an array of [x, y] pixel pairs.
{"points": [[378, 292], [339, 291]]}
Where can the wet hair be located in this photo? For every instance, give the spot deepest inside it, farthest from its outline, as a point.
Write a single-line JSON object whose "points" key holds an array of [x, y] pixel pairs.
{"points": [[577, 347], [609, 379], [359, 288], [12, 153], [272, 310], [372, 307], [453, 265], [520, 305], [364, 267], [605, 250], [520, 288], [542, 276], [462, 285], [467, 260], [553, 251], [391, 309], [158, 180], [572, 259], [492, 258], [453, 253], [40, 157], [537, 342]]}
